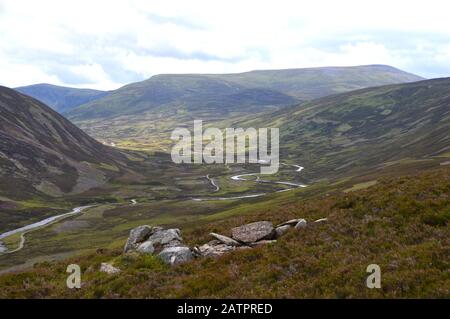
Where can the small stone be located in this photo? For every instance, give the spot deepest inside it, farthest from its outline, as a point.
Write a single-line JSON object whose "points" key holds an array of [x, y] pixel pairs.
{"points": [[281, 230], [225, 240], [109, 269], [301, 224], [291, 222]]}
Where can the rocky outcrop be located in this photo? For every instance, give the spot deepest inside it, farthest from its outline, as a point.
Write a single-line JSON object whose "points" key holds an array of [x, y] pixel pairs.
{"points": [[253, 232], [168, 243], [109, 269]]}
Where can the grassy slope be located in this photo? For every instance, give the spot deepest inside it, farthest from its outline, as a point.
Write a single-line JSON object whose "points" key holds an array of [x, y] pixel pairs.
{"points": [[399, 223], [364, 130]]}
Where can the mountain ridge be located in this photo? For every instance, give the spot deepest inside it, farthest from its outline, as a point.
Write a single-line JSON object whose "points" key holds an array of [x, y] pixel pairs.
{"points": [[41, 151], [61, 98], [149, 110]]}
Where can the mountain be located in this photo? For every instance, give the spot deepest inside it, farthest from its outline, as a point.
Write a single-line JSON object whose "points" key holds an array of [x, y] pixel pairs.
{"points": [[60, 98], [312, 83], [43, 153], [151, 109], [366, 129]]}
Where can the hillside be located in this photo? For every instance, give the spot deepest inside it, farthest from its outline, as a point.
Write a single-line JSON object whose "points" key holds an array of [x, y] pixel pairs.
{"points": [[366, 129], [401, 224], [59, 98], [151, 109], [43, 153]]}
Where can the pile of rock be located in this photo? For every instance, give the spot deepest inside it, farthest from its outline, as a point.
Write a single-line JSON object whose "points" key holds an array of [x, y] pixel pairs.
{"points": [[168, 243]]}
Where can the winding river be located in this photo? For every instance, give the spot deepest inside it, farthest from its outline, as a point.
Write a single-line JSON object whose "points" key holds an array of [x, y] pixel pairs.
{"points": [[256, 180]]}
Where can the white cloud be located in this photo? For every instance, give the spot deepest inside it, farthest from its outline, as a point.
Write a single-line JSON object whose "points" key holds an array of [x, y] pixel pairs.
{"points": [[105, 44]]}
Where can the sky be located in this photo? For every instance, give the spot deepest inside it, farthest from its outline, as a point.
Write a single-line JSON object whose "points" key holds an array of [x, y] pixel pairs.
{"points": [[107, 44]]}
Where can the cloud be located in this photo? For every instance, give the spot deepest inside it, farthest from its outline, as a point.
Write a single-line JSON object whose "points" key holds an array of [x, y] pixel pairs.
{"points": [[105, 44]]}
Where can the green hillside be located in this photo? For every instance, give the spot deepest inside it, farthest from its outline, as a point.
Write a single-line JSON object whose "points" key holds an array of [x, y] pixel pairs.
{"points": [[364, 130]]}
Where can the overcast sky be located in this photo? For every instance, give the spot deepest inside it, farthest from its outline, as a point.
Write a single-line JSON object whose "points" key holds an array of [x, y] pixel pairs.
{"points": [[106, 44]]}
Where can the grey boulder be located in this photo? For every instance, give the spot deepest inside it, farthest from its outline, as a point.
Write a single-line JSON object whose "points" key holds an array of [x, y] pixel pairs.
{"points": [[213, 249], [176, 255], [166, 238], [146, 248], [225, 240], [137, 236], [253, 232]]}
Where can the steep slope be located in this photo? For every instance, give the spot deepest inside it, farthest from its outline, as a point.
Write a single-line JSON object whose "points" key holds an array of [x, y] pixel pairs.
{"points": [[43, 153], [149, 110], [365, 129], [59, 98]]}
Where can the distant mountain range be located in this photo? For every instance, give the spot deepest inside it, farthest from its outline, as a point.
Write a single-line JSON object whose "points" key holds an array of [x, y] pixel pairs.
{"points": [[151, 109], [60, 98], [216, 95], [42, 152]]}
